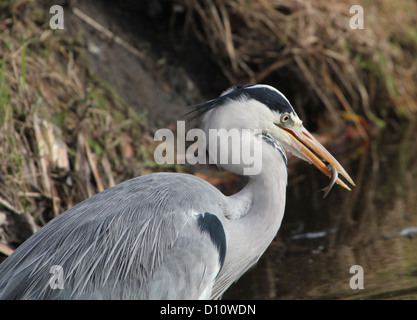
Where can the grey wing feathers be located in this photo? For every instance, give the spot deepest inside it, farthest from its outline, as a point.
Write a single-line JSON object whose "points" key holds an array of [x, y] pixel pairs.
{"points": [[136, 240]]}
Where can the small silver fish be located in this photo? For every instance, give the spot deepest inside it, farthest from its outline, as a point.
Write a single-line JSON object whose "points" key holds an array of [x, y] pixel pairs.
{"points": [[335, 175]]}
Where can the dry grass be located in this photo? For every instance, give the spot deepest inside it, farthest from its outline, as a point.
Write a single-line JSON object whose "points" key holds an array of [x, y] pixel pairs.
{"points": [[64, 135], [369, 72]]}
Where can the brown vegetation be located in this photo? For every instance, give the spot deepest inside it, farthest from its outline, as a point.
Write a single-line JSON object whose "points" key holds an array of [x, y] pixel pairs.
{"points": [[65, 135], [368, 72]]}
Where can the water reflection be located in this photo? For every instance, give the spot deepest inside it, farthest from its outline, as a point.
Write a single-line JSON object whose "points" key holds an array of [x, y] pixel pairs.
{"points": [[373, 226]]}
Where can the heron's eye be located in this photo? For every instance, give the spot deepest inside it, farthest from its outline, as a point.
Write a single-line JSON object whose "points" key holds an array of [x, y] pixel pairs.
{"points": [[285, 118]]}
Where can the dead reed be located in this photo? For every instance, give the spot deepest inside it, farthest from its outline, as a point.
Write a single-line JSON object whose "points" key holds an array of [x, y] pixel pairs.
{"points": [[370, 72], [64, 135]]}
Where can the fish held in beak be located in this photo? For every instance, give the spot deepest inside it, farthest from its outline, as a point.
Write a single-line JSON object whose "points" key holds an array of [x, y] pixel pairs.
{"points": [[304, 145]]}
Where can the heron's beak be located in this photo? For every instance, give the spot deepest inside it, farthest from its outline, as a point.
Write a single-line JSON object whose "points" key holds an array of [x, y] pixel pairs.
{"points": [[308, 148]]}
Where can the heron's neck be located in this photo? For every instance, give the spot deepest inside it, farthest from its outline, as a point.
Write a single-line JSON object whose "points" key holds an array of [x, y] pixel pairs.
{"points": [[258, 210], [262, 202], [266, 192]]}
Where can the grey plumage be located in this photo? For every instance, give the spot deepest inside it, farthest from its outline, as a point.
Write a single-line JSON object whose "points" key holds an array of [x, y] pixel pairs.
{"points": [[168, 235], [103, 257]]}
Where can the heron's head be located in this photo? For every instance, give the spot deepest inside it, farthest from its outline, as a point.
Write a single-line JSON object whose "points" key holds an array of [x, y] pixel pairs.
{"points": [[264, 108]]}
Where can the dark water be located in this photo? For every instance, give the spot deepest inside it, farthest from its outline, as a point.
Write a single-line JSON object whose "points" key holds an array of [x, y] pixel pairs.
{"points": [[374, 226]]}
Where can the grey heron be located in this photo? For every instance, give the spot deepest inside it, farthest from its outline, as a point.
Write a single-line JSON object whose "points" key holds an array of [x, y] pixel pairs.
{"points": [[172, 235]]}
